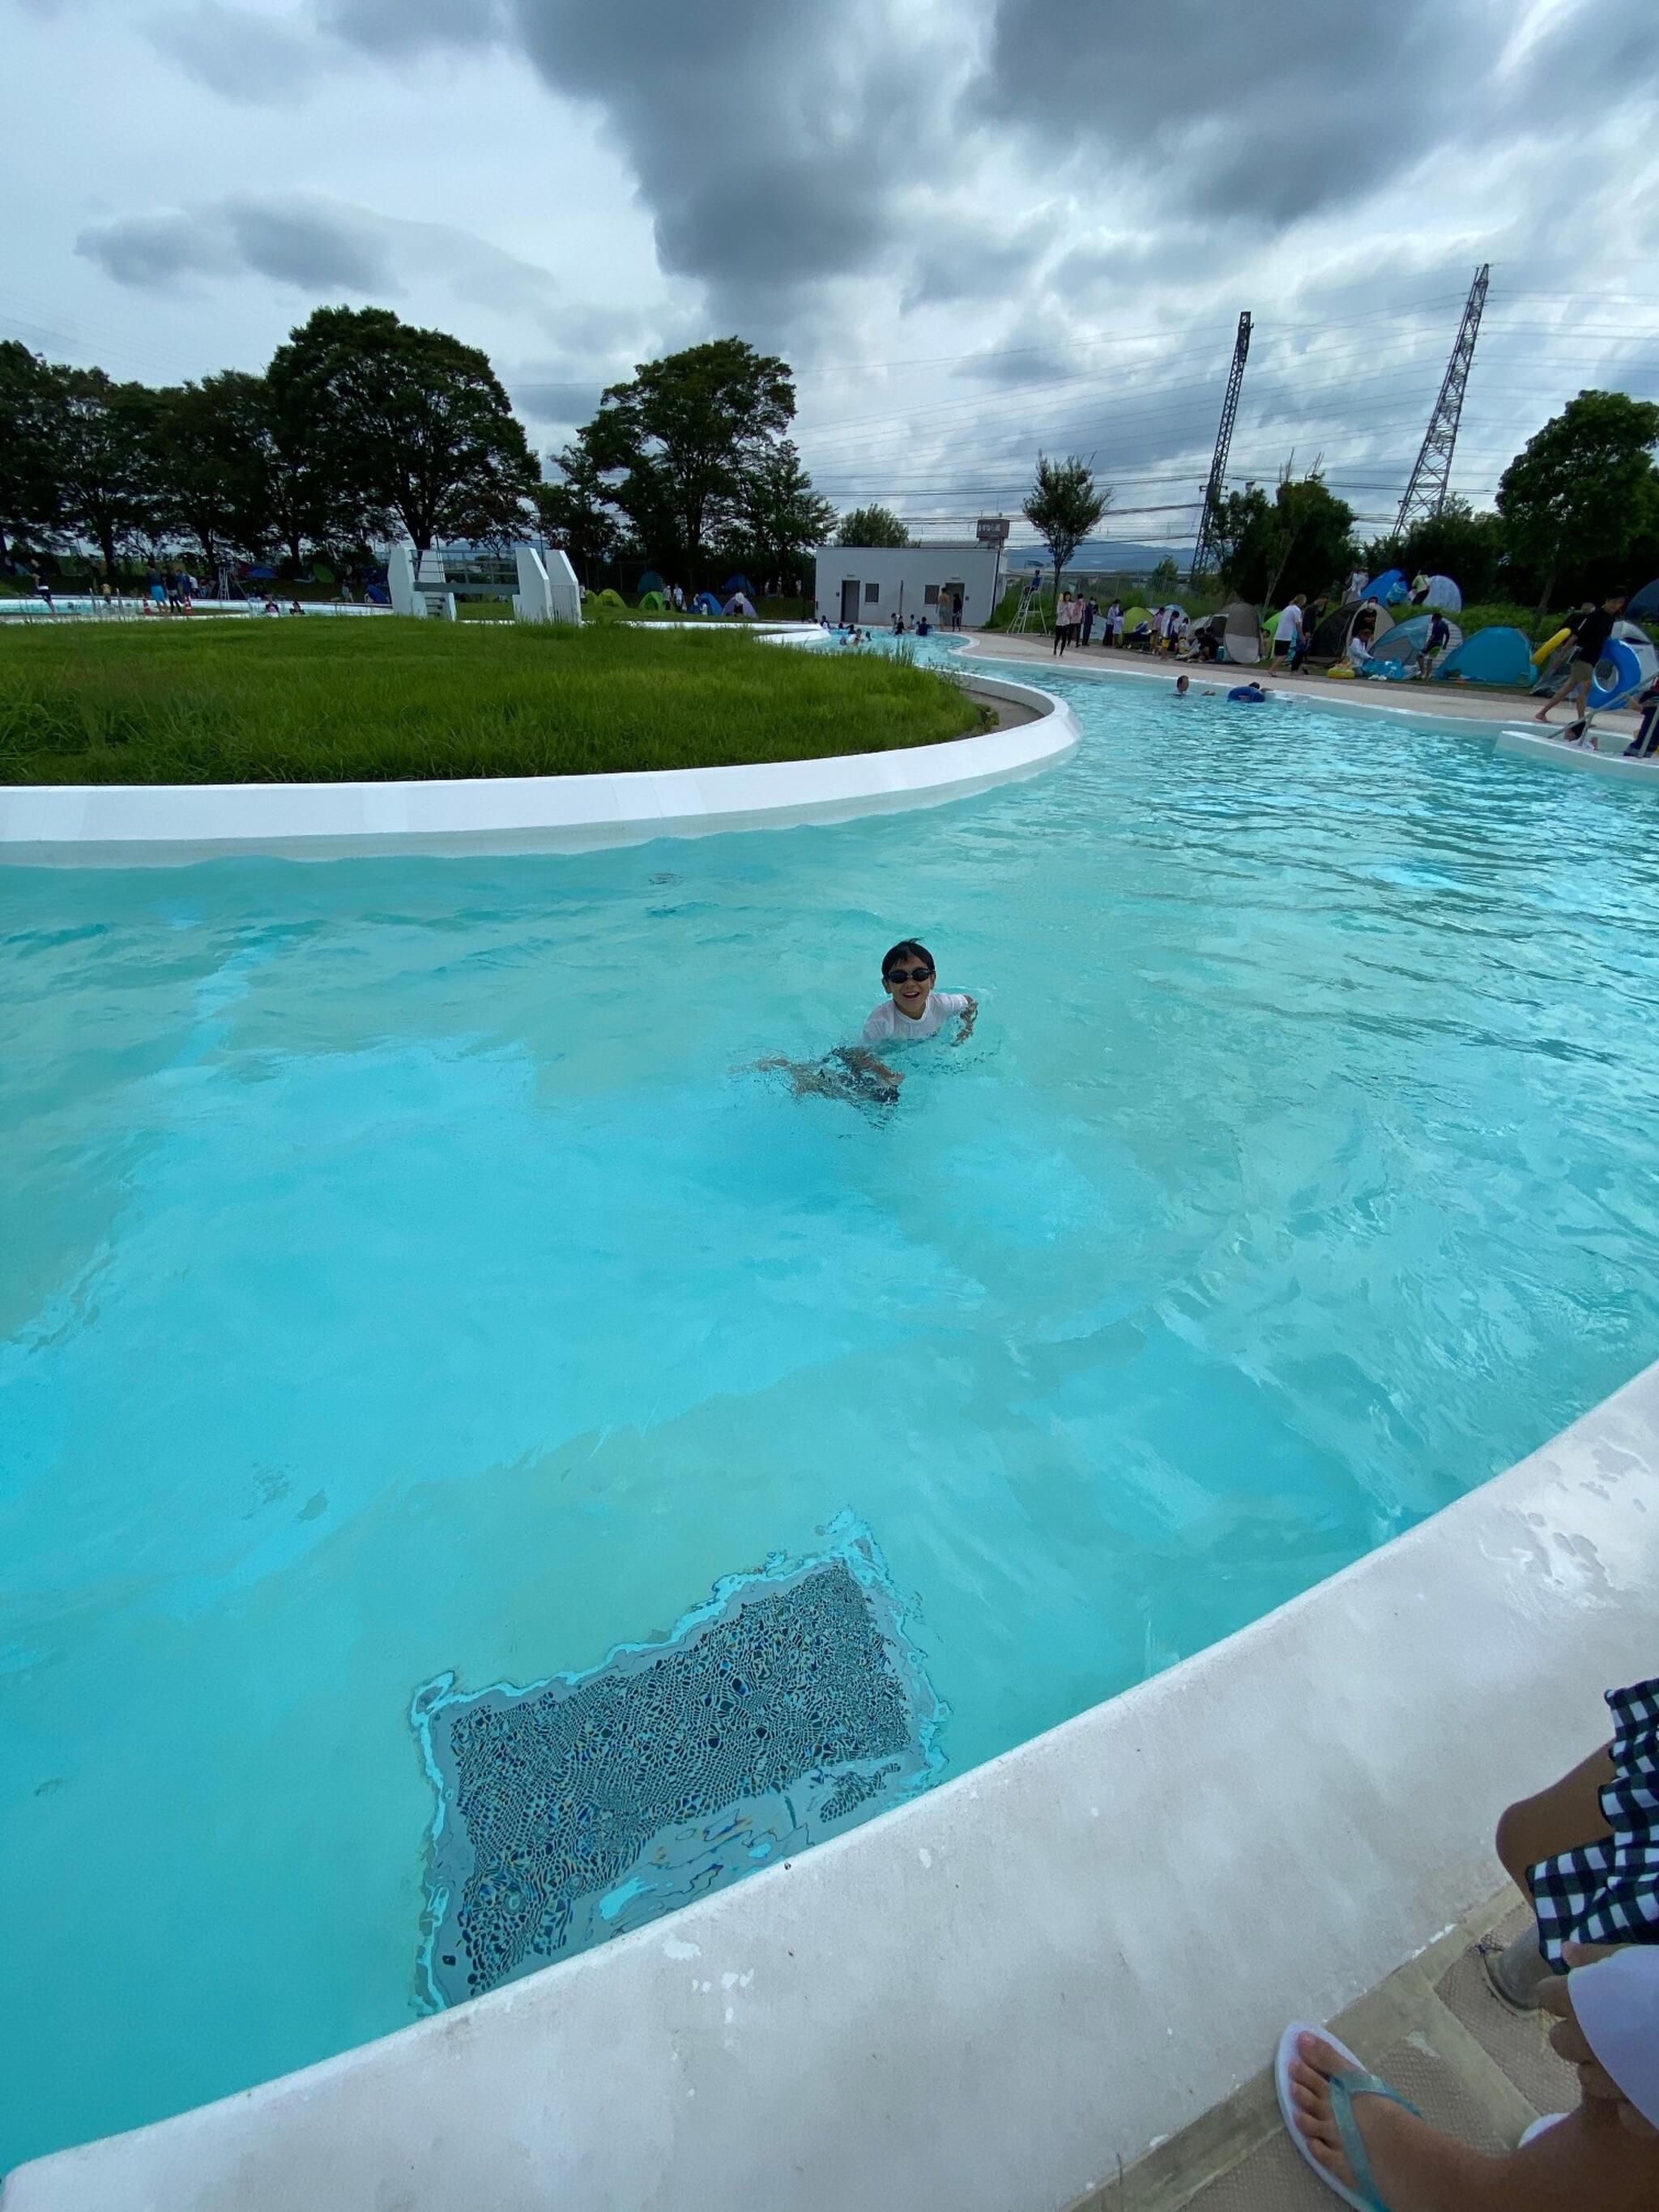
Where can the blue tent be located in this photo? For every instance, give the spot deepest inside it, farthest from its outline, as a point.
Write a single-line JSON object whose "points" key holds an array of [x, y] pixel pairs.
{"points": [[705, 603], [1491, 656], [1644, 607], [1409, 638], [651, 581], [1390, 588], [738, 584]]}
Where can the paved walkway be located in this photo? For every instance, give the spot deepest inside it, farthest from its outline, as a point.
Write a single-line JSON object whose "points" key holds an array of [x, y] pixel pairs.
{"points": [[1434, 2029], [1446, 702]]}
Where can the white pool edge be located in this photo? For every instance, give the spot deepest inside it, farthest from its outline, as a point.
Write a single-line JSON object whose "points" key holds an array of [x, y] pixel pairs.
{"points": [[985, 2001], [127, 825]]}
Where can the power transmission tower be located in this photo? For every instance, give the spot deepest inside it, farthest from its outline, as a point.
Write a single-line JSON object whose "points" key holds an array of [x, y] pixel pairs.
{"points": [[1205, 549], [1425, 495]]}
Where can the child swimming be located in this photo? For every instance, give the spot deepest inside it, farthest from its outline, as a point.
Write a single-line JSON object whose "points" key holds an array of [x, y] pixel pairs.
{"points": [[912, 1011], [913, 1008]]}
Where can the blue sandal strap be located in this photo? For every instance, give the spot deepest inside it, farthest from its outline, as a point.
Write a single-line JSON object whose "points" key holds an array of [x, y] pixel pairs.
{"points": [[1345, 2087]]}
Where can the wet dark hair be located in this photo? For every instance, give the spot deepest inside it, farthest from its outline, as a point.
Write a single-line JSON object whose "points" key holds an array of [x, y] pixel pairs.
{"points": [[906, 949]]}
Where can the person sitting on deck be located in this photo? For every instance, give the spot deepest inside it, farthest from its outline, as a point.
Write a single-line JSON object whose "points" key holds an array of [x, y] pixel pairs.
{"points": [[1586, 1850]]}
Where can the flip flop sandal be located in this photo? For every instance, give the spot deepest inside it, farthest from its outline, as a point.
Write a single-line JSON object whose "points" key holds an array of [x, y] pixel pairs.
{"points": [[1353, 2081]]}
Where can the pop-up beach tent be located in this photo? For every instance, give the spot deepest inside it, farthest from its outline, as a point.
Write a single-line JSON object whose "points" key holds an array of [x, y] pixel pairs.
{"points": [[1330, 639], [1241, 633], [651, 603], [1388, 588], [1444, 594], [1499, 655], [1644, 607], [1407, 639], [651, 581], [705, 603], [738, 583]]}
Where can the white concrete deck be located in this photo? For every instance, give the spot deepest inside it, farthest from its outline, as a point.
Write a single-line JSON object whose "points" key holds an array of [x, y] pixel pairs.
{"points": [[1438, 703], [994, 1999], [1554, 750]]}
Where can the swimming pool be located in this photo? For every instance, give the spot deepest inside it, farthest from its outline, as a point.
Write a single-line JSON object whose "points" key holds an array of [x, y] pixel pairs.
{"points": [[406, 1281]]}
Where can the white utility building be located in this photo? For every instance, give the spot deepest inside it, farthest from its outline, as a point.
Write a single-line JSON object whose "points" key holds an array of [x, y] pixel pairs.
{"points": [[874, 583]]}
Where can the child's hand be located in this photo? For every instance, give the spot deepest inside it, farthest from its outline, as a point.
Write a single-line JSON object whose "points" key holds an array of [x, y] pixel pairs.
{"points": [[968, 1019]]}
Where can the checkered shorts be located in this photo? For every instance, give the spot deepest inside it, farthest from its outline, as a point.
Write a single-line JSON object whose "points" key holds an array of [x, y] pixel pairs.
{"points": [[1608, 1892]]}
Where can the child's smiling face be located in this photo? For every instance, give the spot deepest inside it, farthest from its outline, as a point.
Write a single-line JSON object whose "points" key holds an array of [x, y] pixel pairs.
{"points": [[910, 980]]}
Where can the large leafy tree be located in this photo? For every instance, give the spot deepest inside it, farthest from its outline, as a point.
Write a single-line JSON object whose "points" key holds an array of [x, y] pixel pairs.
{"points": [[1583, 491], [677, 445], [32, 431], [1063, 506], [577, 515], [111, 480], [871, 525], [214, 481], [1458, 542], [412, 426], [782, 518], [1300, 540]]}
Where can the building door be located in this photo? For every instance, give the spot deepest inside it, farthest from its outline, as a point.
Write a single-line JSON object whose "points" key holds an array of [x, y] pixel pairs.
{"points": [[850, 601]]}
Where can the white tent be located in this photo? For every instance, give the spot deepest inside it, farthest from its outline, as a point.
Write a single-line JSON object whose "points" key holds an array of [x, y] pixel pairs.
{"points": [[1444, 594]]}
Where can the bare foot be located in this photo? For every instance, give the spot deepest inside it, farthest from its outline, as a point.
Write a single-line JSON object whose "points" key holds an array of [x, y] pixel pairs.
{"points": [[1380, 2121]]}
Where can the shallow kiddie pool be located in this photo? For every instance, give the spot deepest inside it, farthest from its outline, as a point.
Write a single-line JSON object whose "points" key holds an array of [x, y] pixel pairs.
{"points": [[443, 1381]]}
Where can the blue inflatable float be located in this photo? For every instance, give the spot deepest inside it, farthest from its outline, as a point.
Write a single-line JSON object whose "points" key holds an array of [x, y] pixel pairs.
{"points": [[1617, 673]]}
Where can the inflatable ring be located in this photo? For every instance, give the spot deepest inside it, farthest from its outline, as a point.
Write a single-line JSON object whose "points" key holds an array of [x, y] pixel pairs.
{"points": [[1549, 646], [1617, 673]]}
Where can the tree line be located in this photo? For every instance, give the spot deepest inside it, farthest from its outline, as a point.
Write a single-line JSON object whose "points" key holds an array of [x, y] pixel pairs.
{"points": [[363, 428], [1577, 512]]}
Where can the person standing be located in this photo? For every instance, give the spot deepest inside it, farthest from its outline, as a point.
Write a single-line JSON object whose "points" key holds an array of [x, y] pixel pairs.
{"points": [[1089, 610], [1287, 633], [1114, 632], [956, 610], [1063, 618], [1591, 635]]}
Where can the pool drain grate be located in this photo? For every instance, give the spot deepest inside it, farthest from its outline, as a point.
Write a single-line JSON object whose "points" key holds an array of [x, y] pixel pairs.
{"points": [[789, 1706]]}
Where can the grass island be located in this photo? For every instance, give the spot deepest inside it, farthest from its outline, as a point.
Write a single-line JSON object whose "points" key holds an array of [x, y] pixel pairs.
{"points": [[291, 701]]}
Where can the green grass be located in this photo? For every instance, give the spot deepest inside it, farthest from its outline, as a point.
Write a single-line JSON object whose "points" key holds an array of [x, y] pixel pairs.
{"points": [[314, 702]]}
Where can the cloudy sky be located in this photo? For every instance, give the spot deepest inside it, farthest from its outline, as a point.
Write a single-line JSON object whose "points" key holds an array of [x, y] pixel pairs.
{"points": [[974, 231]]}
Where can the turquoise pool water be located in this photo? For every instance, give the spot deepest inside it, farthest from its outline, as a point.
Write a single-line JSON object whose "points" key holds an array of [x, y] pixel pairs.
{"points": [[403, 1271]]}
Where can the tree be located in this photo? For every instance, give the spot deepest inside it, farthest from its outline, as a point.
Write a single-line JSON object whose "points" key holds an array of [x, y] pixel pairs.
{"points": [[214, 477], [1583, 490], [1063, 506], [412, 426], [1300, 540], [781, 519], [677, 445], [32, 426], [577, 515], [1165, 576], [871, 525], [1458, 542], [110, 482]]}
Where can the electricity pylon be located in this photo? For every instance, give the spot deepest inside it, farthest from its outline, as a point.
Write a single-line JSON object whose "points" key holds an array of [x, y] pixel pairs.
{"points": [[1206, 549], [1425, 495]]}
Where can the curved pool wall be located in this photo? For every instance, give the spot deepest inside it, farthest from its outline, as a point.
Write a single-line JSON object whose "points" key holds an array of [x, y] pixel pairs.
{"points": [[987, 2000], [123, 825]]}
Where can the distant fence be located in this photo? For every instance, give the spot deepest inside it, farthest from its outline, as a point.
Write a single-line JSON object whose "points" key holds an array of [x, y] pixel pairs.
{"points": [[73, 609]]}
